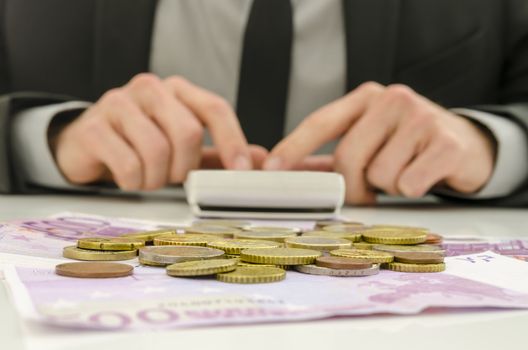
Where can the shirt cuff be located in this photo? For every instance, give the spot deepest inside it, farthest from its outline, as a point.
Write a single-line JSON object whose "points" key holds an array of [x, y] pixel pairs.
{"points": [[511, 168], [31, 148]]}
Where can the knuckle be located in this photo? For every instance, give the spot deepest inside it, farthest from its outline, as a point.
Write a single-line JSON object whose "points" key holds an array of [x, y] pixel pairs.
{"points": [[399, 93], [370, 87], [145, 81], [176, 80], [217, 106], [114, 98]]}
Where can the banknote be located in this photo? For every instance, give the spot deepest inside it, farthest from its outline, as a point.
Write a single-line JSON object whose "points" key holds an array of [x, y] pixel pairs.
{"points": [[152, 300], [480, 273], [47, 237]]}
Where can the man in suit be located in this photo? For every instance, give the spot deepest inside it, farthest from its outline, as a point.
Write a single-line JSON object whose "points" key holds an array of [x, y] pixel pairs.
{"points": [[419, 95]]}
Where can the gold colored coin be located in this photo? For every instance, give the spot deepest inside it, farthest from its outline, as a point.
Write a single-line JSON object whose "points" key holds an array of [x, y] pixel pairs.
{"points": [[201, 267], [351, 232], [72, 252], [324, 223], [355, 237], [424, 248], [280, 256], [363, 245], [148, 236], [317, 243], [235, 246], [151, 263], [295, 230], [184, 239], [364, 255], [219, 231], [238, 224], [399, 228], [116, 243], [401, 267], [265, 235], [253, 275], [382, 236], [245, 264]]}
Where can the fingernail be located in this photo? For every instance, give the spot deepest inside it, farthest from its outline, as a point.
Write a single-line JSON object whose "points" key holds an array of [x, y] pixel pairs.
{"points": [[242, 163], [273, 163]]}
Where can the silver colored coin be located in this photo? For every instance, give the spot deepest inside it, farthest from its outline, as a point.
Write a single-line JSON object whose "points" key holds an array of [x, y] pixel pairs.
{"points": [[174, 254], [325, 271]]}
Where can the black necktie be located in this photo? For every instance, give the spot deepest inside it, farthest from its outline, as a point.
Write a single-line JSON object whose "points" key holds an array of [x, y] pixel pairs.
{"points": [[265, 71]]}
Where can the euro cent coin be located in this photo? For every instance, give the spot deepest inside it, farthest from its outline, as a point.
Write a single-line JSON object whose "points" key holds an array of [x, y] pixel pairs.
{"points": [[401, 267], [148, 236], [201, 267], [420, 248], [265, 235], [295, 230], [184, 239], [371, 256], [323, 223], [168, 254], [259, 274], [117, 243], [325, 271], [72, 252], [220, 231], [340, 263], [418, 258], [317, 243], [93, 270], [280, 256], [383, 236], [236, 246]]}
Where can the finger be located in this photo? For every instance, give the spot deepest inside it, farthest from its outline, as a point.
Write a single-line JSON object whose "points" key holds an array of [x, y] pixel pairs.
{"points": [[143, 135], [211, 157], [183, 130], [324, 125], [359, 146], [409, 139], [115, 153], [427, 169], [220, 120], [316, 163]]}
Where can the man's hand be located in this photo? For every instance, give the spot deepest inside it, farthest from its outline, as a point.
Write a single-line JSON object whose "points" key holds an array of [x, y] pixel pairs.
{"points": [[392, 139], [149, 133]]}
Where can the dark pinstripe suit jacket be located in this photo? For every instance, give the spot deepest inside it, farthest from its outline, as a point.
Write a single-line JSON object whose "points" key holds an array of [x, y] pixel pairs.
{"points": [[459, 53]]}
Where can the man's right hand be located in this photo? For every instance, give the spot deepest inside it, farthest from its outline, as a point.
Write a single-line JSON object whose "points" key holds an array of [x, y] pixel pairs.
{"points": [[148, 134]]}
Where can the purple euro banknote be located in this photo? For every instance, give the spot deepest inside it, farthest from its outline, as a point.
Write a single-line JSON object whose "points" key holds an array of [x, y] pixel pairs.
{"points": [[152, 300]]}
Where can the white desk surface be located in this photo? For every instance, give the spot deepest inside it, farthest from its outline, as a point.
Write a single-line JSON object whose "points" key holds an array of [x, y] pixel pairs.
{"points": [[456, 330]]}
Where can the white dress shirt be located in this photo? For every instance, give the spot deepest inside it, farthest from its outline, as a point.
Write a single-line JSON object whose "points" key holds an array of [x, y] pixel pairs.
{"points": [[202, 41]]}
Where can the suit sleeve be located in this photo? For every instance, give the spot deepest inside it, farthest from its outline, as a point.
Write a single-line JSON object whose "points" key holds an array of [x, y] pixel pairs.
{"points": [[513, 91], [11, 180]]}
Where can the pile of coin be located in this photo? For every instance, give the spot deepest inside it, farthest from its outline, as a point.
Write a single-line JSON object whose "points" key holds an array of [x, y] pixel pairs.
{"points": [[236, 252]]}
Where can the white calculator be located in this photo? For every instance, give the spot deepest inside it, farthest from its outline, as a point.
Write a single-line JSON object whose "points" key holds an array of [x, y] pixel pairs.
{"points": [[257, 194]]}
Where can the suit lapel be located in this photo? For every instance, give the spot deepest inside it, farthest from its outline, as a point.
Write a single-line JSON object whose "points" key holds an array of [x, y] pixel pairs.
{"points": [[371, 29], [123, 31]]}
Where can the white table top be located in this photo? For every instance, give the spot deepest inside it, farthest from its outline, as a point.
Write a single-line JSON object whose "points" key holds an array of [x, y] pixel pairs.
{"points": [[456, 329]]}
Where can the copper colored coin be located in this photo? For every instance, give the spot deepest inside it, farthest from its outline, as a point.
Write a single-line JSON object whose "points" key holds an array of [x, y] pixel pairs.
{"points": [[433, 238], [338, 263], [94, 270], [418, 258]]}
